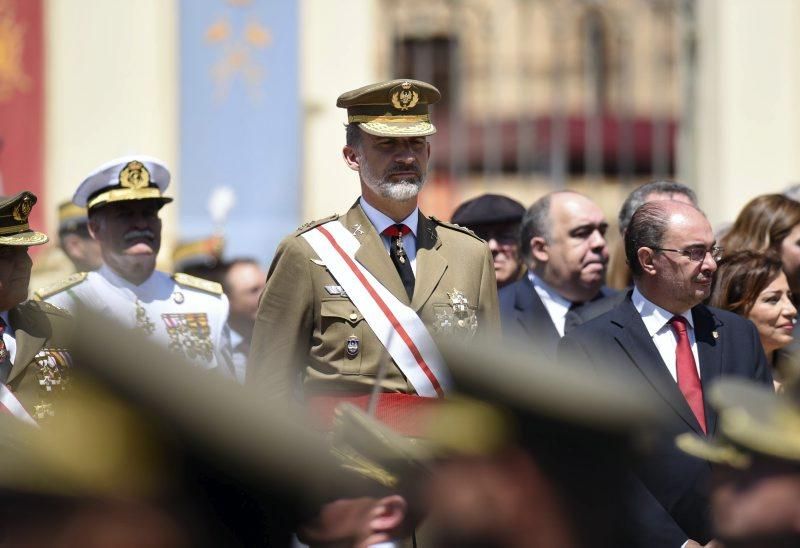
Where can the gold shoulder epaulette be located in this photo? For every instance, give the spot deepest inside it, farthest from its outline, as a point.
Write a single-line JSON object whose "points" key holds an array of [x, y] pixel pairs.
{"points": [[454, 226], [48, 308], [59, 286], [311, 224], [198, 283]]}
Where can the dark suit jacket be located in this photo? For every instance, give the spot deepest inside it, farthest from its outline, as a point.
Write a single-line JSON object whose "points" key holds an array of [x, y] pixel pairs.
{"points": [[524, 317], [672, 504], [591, 310]]}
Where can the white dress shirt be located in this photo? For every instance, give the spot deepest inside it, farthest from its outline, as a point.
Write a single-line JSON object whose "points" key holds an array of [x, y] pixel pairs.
{"points": [[381, 222], [656, 321], [556, 305], [8, 337]]}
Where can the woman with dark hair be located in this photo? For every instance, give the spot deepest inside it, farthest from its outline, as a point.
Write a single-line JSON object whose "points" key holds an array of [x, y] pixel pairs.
{"points": [[754, 285], [770, 222]]}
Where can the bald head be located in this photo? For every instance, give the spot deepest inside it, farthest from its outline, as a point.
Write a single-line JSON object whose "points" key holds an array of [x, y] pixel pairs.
{"points": [[563, 238], [661, 241]]}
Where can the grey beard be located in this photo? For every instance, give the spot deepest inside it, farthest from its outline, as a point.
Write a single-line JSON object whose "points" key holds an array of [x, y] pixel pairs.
{"points": [[402, 190]]}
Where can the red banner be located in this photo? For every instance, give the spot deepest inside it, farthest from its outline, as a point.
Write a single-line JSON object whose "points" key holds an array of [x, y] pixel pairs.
{"points": [[22, 101]]}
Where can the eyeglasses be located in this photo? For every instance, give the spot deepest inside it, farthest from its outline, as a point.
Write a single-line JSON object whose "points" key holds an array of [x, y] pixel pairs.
{"points": [[502, 238], [696, 254]]}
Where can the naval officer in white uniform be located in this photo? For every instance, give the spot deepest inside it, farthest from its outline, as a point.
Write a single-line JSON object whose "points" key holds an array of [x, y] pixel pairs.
{"points": [[186, 314]]}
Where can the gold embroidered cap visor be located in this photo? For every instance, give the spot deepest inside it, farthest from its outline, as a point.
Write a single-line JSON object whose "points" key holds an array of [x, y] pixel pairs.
{"points": [[397, 108], [14, 228], [124, 179]]}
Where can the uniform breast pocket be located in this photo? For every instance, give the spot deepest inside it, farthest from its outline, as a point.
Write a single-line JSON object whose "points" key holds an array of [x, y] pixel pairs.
{"points": [[342, 331]]}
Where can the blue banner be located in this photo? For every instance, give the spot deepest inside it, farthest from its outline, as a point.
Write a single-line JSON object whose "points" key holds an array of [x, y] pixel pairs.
{"points": [[240, 121]]}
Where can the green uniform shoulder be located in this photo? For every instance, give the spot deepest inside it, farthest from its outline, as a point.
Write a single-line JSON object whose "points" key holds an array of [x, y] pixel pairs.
{"points": [[62, 285], [312, 224], [455, 227], [197, 283]]}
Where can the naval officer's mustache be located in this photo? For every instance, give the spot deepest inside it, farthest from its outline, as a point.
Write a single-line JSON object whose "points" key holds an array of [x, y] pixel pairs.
{"points": [[136, 234]]}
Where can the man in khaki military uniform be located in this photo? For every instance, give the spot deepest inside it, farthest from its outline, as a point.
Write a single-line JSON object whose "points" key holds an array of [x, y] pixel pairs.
{"points": [[34, 360], [424, 279]]}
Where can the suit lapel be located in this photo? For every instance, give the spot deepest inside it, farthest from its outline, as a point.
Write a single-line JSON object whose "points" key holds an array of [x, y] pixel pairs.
{"points": [[709, 350], [535, 319], [637, 343], [29, 342], [430, 264], [372, 255]]}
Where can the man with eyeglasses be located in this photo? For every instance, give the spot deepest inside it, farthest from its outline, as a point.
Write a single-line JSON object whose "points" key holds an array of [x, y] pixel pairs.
{"points": [[562, 239], [496, 219], [663, 333]]}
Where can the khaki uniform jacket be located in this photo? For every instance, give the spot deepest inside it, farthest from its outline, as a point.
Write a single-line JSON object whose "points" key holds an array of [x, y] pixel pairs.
{"points": [[302, 329], [40, 371]]}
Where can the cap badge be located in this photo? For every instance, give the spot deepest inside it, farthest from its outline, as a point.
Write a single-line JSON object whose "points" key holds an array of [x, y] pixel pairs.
{"points": [[404, 96], [23, 209], [134, 175], [353, 346]]}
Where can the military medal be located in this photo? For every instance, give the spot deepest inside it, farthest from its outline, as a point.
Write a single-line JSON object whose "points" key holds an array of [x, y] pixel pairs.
{"points": [[3, 353], [401, 251], [190, 335], [457, 317], [142, 321], [353, 346]]}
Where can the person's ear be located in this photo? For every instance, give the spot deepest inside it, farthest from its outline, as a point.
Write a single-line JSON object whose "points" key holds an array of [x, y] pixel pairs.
{"points": [[351, 158], [388, 514], [540, 251], [646, 258]]}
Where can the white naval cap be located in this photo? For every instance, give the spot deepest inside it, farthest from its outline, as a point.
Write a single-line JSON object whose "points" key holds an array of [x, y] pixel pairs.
{"points": [[124, 179]]}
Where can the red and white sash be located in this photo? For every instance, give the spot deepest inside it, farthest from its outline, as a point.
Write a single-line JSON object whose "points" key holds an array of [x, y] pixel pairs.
{"points": [[10, 404], [397, 326]]}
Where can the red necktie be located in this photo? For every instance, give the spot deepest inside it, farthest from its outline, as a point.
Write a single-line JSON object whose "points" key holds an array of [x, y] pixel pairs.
{"points": [[688, 379], [399, 257]]}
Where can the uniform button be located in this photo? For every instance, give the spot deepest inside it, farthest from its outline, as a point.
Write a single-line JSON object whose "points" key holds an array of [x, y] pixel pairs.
{"points": [[353, 317]]}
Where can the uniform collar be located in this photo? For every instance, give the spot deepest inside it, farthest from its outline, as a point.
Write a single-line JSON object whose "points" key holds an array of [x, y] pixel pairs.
{"points": [[146, 289], [381, 221]]}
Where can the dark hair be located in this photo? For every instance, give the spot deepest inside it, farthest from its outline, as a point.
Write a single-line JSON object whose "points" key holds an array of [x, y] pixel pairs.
{"points": [[741, 277], [639, 196], [646, 229], [352, 135], [535, 222], [763, 224]]}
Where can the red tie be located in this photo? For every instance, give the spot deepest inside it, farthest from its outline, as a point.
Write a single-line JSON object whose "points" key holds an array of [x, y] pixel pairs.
{"points": [[394, 231], [688, 379]]}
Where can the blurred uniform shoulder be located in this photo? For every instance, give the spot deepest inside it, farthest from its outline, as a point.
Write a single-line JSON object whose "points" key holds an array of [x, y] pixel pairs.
{"points": [[62, 285], [456, 228], [193, 282], [313, 224], [41, 307]]}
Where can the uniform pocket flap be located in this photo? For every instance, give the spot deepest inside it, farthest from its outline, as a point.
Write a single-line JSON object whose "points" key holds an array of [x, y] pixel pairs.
{"points": [[342, 309]]}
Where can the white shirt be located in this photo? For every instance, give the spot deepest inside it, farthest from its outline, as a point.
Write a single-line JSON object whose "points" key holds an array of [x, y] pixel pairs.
{"points": [[381, 222], [178, 314], [656, 321], [556, 305], [8, 337]]}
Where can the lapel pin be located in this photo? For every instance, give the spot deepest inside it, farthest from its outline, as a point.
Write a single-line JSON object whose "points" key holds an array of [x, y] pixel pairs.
{"points": [[715, 334], [357, 230]]}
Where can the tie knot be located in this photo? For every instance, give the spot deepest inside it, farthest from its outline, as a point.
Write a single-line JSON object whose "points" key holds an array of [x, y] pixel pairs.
{"points": [[394, 231], [678, 323]]}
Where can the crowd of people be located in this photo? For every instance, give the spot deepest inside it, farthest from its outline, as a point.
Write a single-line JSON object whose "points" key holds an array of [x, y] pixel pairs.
{"points": [[502, 379]]}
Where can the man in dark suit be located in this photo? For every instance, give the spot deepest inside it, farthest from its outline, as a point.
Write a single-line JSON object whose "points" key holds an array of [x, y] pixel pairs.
{"points": [[618, 269], [562, 238], [663, 333]]}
